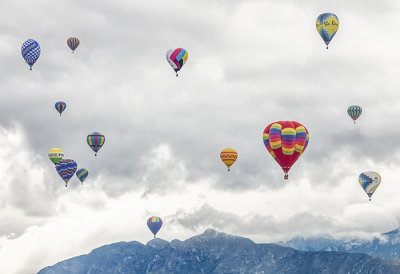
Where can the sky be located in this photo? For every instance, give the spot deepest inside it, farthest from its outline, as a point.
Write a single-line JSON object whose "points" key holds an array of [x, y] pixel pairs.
{"points": [[250, 63]]}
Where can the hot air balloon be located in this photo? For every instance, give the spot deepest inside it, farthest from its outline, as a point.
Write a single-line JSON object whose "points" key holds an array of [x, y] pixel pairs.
{"points": [[177, 58], [66, 169], [73, 43], [154, 223], [82, 174], [30, 51], [228, 156], [369, 181], [354, 112], [285, 141], [55, 154], [327, 26], [95, 140], [60, 106]]}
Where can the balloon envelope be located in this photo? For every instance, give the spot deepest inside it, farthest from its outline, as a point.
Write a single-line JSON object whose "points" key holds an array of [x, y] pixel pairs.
{"points": [[327, 25], [55, 154], [30, 51], [82, 174], [285, 141], [95, 140], [66, 169], [177, 58], [73, 43], [154, 223], [354, 112], [369, 181], [60, 106], [228, 156]]}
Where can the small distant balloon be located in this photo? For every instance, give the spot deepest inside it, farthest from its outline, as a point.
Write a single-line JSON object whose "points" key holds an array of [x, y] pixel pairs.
{"points": [[66, 169], [154, 223], [60, 106], [95, 140], [327, 25], [55, 155], [369, 181], [354, 112], [82, 174], [177, 58], [228, 156], [73, 43], [30, 51], [285, 141]]}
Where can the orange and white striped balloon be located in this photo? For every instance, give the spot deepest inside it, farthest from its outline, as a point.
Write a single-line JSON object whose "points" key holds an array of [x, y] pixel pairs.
{"points": [[228, 156]]}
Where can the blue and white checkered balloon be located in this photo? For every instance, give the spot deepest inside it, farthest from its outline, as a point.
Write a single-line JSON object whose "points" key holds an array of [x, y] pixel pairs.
{"points": [[30, 51]]}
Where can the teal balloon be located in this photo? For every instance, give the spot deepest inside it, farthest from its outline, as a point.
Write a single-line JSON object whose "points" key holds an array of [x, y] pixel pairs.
{"points": [[354, 112]]}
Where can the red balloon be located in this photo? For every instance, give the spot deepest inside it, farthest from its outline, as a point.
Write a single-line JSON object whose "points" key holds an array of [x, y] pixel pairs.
{"points": [[285, 141]]}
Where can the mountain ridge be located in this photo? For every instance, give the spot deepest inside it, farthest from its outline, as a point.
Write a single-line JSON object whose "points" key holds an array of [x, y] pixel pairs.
{"points": [[217, 252]]}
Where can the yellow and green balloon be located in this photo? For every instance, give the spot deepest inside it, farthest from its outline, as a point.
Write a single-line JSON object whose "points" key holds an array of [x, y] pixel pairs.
{"points": [[55, 155]]}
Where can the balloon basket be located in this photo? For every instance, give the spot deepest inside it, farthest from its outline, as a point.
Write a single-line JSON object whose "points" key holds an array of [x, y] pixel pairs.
{"points": [[286, 177]]}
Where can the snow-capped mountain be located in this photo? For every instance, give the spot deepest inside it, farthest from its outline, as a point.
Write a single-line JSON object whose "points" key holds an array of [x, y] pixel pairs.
{"points": [[386, 246], [215, 252]]}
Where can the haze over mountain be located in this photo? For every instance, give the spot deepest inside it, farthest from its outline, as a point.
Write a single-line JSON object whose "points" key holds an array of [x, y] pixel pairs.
{"points": [[386, 246], [215, 252]]}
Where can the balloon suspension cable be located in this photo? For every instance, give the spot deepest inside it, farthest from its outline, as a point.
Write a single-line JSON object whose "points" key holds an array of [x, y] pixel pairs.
{"points": [[286, 176]]}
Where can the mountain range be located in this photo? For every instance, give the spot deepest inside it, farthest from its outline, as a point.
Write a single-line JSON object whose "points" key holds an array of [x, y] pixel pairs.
{"points": [[216, 252]]}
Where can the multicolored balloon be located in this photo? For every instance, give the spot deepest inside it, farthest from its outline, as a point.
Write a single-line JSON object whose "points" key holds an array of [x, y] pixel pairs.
{"points": [[55, 154], [95, 140], [66, 169], [82, 174], [73, 43], [30, 51], [286, 141], [177, 58], [228, 156], [154, 223], [60, 106], [354, 112], [327, 25], [369, 181]]}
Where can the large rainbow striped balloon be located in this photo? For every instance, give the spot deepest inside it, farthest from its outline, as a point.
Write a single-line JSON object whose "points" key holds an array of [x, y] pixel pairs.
{"points": [[285, 141]]}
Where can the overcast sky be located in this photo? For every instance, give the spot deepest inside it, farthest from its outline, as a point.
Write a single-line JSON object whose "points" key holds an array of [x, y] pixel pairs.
{"points": [[250, 63]]}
